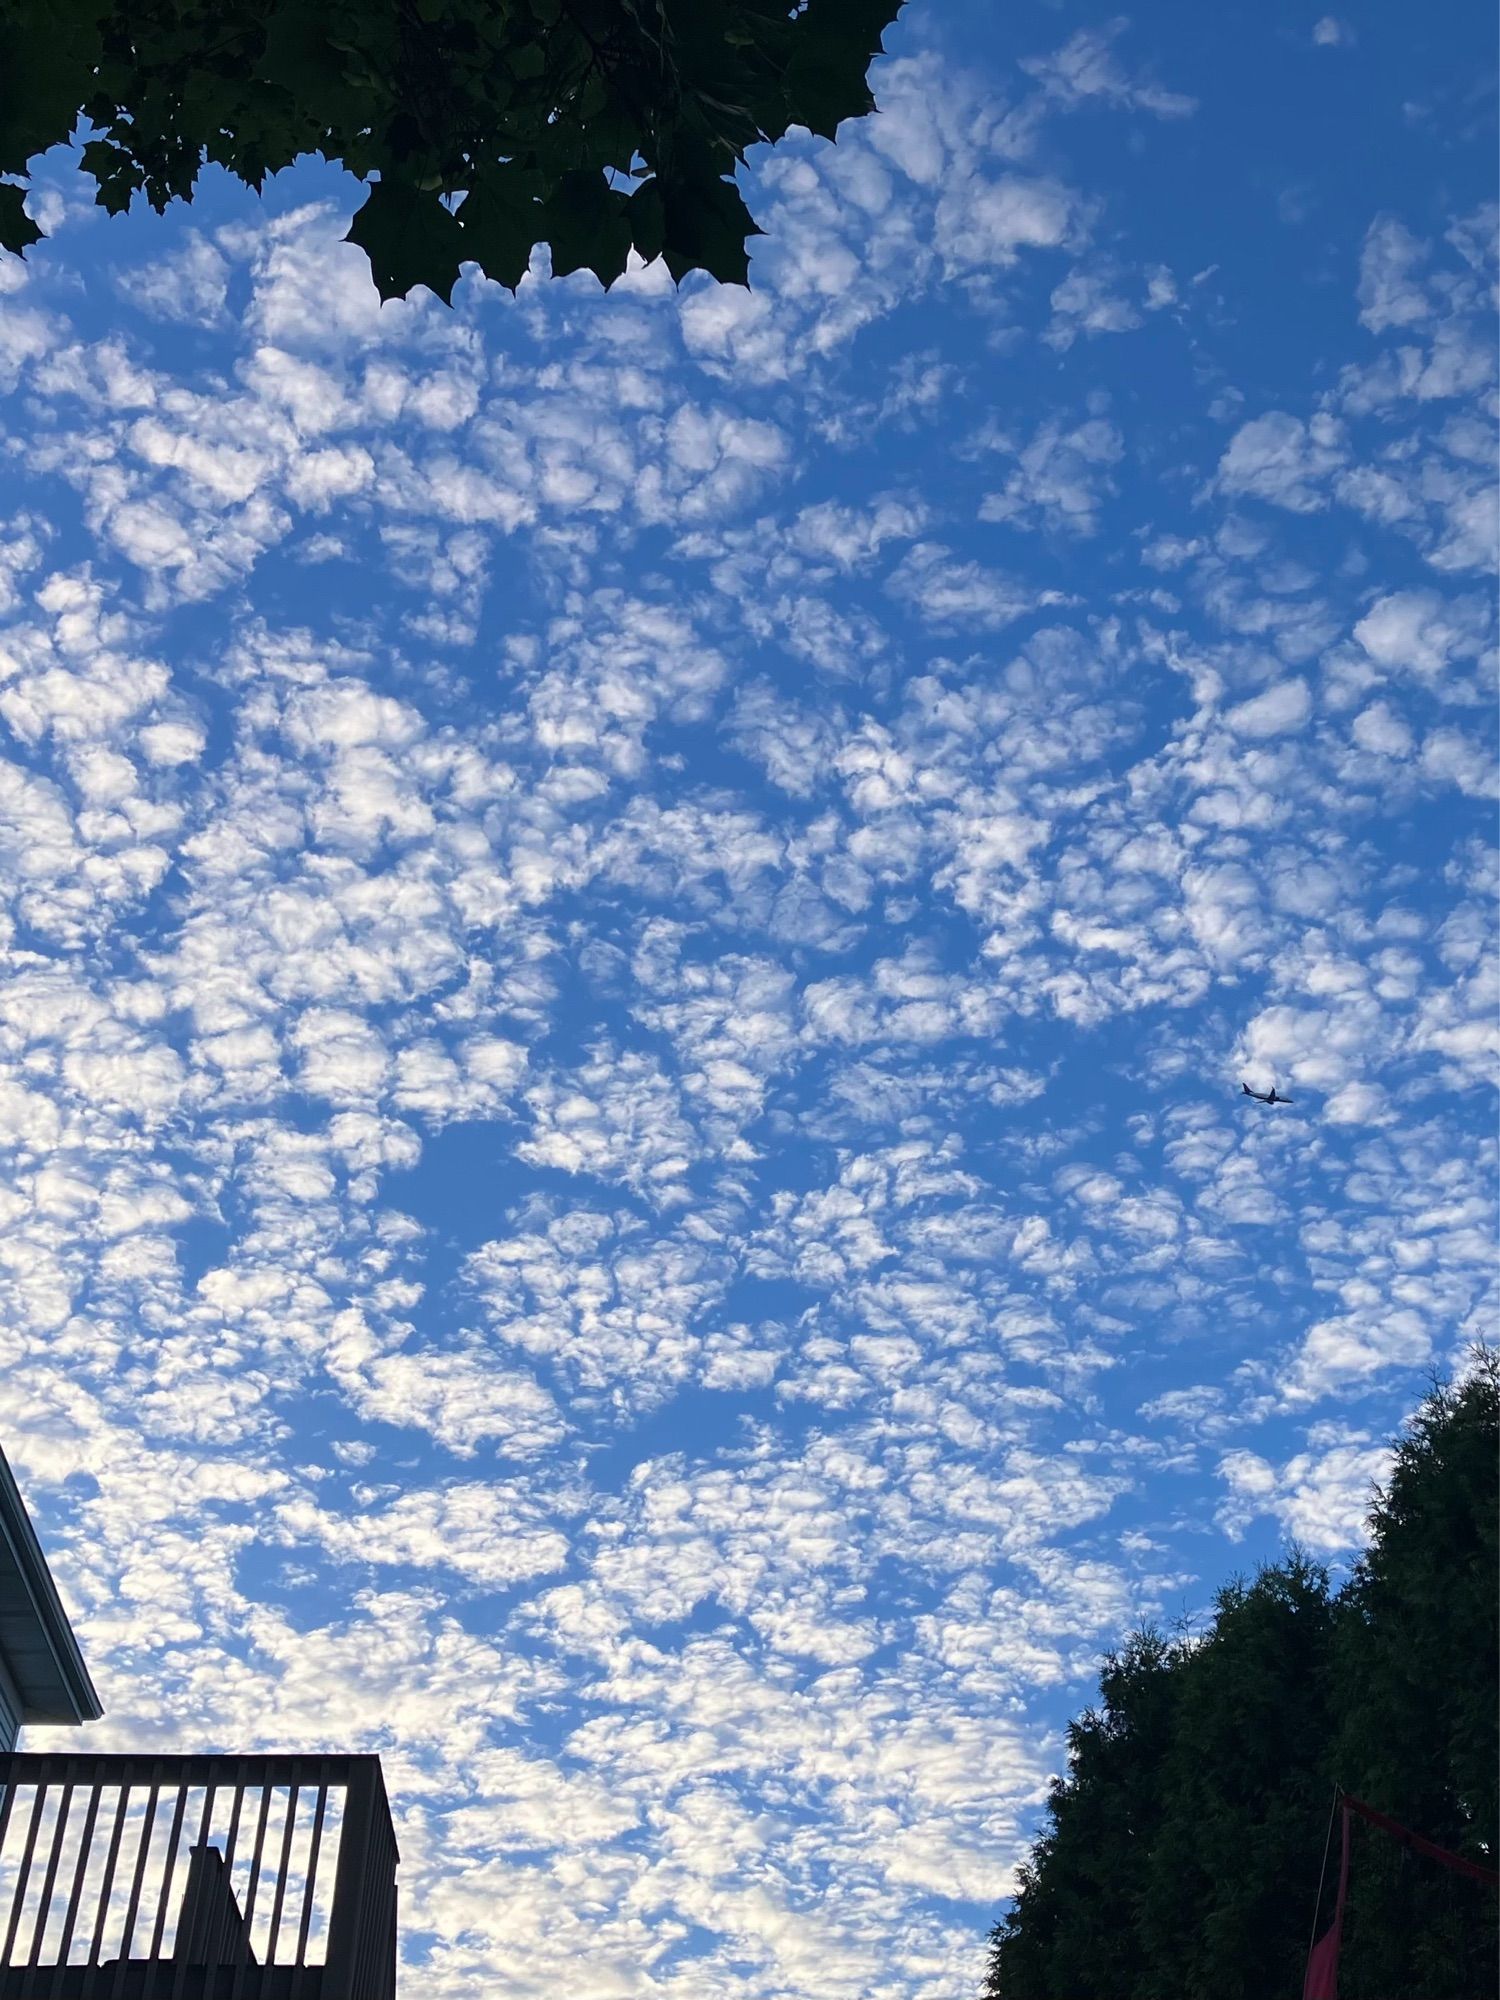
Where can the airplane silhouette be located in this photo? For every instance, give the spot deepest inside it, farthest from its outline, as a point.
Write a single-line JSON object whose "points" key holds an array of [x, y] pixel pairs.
{"points": [[1264, 1096]]}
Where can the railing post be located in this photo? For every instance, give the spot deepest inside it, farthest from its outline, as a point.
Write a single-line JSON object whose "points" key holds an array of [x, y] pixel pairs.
{"points": [[361, 1960]]}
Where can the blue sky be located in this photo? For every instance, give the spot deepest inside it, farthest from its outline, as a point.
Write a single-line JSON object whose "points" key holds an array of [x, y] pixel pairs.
{"points": [[632, 929]]}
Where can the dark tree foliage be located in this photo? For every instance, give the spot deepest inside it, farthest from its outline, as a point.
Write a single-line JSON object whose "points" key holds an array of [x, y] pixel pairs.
{"points": [[1417, 1677], [596, 126], [1245, 1803], [1090, 1870], [1181, 1851]]}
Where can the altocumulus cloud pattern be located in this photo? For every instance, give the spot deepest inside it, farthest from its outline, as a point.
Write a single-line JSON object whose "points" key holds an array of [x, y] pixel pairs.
{"points": [[632, 930]]}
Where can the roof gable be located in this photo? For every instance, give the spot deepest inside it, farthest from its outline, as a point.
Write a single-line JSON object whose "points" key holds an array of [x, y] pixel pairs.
{"points": [[36, 1641]]}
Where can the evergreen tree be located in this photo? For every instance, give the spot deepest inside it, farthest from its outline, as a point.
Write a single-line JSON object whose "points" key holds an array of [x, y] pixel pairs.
{"points": [[1181, 1849], [1416, 1679], [1089, 1873], [1225, 1907]]}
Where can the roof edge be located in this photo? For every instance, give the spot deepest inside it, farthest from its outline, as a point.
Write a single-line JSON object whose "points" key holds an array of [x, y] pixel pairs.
{"points": [[16, 1528]]}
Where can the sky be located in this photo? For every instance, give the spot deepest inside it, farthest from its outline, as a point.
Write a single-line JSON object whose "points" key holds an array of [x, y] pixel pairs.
{"points": [[632, 926]]}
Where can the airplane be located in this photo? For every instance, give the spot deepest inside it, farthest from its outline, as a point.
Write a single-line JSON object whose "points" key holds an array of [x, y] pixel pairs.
{"points": [[1264, 1097]]}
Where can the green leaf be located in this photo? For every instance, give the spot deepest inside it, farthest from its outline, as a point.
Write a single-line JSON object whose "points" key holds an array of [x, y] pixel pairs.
{"points": [[501, 223], [825, 83], [117, 173], [410, 239], [863, 21], [824, 80], [417, 96], [588, 226], [648, 220], [298, 54], [46, 66], [707, 224], [17, 230]]}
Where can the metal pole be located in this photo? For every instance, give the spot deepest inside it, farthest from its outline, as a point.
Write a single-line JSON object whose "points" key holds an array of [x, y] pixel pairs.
{"points": [[1338, 1793]]}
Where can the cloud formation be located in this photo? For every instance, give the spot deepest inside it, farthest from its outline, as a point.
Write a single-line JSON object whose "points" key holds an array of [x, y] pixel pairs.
{"points": [[631, 929]]}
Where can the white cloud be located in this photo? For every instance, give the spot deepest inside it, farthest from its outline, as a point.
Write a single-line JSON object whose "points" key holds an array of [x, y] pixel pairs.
{"points": [[1380, 729], [986, 222], [1084, 69], [189, 285], [956, 593], [1061, 478], [1321, 1496], [491, 1533], [1283, 707], [1390, 292], [1421, 632], [1359, 1103], [1449, 755], [1281, 459], [1087, 301]]}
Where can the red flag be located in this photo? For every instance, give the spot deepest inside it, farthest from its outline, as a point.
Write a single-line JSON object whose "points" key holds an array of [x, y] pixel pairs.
{"points": [[1322, 1981], [1457, 1862]]}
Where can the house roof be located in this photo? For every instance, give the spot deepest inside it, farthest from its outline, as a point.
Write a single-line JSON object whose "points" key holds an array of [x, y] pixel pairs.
{"points": [[36, 1641]]}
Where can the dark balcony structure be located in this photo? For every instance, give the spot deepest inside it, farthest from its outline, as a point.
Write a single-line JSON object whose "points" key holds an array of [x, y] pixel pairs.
{"points": [[42, 1675], [195, 1878], [173, 1878]]}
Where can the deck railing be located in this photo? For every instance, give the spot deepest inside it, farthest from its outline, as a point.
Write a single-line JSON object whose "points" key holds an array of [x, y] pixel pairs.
{"points": [[195, 1878]]}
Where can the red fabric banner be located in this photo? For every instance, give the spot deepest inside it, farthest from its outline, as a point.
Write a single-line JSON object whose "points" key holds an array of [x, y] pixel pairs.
{"points": [[1322, 1979], [1428, 1847]]}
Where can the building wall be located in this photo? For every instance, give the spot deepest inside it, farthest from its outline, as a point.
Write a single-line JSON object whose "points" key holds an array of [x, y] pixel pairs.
{"points": [[10, 1711], [10, 1707]]}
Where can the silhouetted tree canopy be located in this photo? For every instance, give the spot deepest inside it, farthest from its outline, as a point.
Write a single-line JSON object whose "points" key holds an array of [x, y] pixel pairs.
{"points": [[1181, 1851], [592, 125]]}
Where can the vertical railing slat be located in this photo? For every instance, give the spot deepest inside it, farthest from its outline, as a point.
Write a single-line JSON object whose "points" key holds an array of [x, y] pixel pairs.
{"points": [[242, 1970], [164, 1894], [7, 1800], [49, 1874], [234, 1817], [81, 1869], [252, 1888], [24, 1875], [111, 1859], [310, 1887], [230, 1848], [138, 1874], [282, 1871]]}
